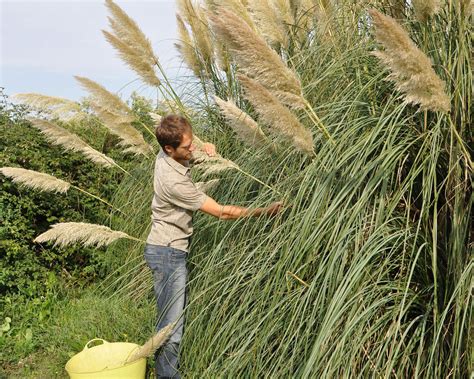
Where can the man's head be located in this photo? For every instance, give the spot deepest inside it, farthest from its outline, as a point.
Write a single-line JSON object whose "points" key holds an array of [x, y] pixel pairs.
{"points": [[175, 136]]}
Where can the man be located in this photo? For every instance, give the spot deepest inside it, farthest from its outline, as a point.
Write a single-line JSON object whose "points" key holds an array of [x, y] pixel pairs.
{"points": [[174, 201]]}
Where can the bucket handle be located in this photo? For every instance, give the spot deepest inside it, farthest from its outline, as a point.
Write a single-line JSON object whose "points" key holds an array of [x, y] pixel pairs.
{"points": [[92, 340]]}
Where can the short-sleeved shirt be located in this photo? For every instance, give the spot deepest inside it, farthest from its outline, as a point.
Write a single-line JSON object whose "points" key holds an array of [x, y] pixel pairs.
{"points": [[174, 200]]}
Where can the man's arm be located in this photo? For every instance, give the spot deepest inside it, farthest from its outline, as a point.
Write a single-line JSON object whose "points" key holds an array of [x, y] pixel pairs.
{"points": [[231, 212]]}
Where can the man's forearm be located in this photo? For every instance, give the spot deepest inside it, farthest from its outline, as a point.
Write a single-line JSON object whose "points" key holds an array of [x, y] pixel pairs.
{"points": [[231, 212]]}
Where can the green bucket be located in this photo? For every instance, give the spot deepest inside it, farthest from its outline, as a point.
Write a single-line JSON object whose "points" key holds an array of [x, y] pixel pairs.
{"points": [[106, 361]]}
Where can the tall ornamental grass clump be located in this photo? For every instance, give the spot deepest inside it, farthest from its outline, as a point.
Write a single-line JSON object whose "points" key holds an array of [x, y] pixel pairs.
{"points": [[362, 112], [368, 272]]}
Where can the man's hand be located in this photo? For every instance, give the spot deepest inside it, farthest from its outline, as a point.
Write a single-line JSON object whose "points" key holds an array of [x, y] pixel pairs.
{"points": [[209, 149], [274, 208]]}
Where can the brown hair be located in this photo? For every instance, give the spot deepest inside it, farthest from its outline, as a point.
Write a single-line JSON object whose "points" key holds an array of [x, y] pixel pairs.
{"points": [[171, 129]]}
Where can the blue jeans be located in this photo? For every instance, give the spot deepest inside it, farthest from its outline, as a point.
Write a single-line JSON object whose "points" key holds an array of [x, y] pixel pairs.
{"points": [[169, 282]]}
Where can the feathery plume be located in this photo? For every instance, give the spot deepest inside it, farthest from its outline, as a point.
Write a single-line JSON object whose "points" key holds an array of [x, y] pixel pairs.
{"points": [[116, 116], [284, 10], [186, 47], [35, 179], [197, 20], [210, 165], [269, 24], [68, 233], [323, 12], [60, 136], [155, 117], [425, 9], [131, 44], [304, 11], [63, 109], [411, 69], [245, 127], [149, 347], [104, 98], [207, 186], [254, 57], [277, 116], [237, 7]]}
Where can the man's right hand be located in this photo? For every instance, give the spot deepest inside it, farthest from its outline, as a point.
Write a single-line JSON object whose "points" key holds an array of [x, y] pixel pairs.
{"points": [[274, 208]]}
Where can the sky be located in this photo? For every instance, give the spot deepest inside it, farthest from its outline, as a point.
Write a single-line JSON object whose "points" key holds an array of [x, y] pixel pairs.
{"points": [[45, 43]]}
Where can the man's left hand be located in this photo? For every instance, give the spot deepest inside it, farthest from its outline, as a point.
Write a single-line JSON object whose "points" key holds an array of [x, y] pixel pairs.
{"points": [[209, 149]]}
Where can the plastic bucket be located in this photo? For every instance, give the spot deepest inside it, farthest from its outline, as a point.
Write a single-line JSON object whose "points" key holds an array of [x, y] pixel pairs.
{"points": [[106, 361]]}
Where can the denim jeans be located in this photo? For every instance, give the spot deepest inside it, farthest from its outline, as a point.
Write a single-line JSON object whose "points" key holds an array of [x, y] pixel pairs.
{"points": [[169, 282]]}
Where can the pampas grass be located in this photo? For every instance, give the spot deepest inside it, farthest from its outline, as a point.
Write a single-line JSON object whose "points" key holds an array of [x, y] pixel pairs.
{"points": [[64, 109], [212, 165], [425, 9], [131, 44], [155, 342], [116, 116], [258, 61], [186, 47], [60, 136], [277, 116], [155, 117], [236, 6], [45, 182], [411, 69], [68, 233], [269, 24], [197, 20], [245, 127], [105, 98], [254, 57], [36, 180], [207, 186]]}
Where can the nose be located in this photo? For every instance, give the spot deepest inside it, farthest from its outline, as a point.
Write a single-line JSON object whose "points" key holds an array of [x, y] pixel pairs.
{"points": [[192, 147]]}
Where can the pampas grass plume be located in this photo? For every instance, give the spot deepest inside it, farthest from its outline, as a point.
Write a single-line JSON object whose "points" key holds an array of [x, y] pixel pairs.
{"points": [[64, 109], [269, 24], [36, 180], [68, 233], [62, 137], [253, 56], [155, 342], [425, 9], [245, 127], [207, 186], [276, 115], [131, 44], [103, 97], [411, 69], [186, 47], [116, 116]]}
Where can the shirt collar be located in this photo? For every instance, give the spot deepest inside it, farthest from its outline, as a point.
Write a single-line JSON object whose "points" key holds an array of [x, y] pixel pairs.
{"points": [[183, 170]]}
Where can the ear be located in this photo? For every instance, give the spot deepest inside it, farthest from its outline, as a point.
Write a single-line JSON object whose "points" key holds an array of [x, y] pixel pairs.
{"points": [[169, 149]]}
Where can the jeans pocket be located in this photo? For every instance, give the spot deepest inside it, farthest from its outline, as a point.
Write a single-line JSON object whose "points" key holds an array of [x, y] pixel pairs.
{"points": [[178, 255]]}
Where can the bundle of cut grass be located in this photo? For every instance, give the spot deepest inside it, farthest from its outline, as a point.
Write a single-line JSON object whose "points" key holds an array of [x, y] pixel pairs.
{"points": [[154, 343]]}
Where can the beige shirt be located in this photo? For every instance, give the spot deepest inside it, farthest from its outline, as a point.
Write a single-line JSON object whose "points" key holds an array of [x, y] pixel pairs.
{"points": [[174, 200]]}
